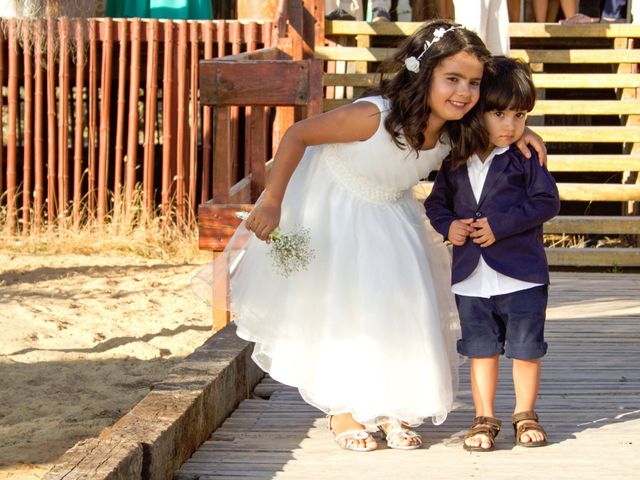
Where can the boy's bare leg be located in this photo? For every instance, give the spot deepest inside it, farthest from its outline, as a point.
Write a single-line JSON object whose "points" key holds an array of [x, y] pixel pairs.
{"points": [[526, 382], [484, 381]]}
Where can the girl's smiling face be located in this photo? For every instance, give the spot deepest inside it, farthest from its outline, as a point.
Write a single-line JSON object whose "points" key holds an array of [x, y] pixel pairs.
{"points": [[455, 87]]}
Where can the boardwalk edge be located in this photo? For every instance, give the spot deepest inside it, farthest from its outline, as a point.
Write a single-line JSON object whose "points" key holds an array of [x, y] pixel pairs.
{"points": [[163, 430]]}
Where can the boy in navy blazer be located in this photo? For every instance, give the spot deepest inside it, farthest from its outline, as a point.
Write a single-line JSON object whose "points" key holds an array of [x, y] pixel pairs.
{"points": [[490, 202]]}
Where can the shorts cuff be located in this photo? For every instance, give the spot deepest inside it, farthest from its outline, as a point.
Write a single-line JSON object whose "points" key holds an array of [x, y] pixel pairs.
{"points": [[526, 351], [477, 349]]}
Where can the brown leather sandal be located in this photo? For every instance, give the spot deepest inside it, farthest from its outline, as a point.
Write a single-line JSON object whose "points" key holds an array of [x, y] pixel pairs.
{"points": [[481, 425], [529, 423]]}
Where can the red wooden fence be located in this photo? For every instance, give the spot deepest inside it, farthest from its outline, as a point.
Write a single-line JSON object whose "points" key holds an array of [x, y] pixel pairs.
{"points": [[118, 104]]}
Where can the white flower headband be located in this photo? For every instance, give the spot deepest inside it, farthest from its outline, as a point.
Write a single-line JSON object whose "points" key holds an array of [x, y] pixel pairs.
{"points": [[412, 63]]}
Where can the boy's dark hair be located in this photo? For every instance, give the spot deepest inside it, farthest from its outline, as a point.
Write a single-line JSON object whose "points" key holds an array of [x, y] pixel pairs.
{"points": [[506, 85], [408, 91]]}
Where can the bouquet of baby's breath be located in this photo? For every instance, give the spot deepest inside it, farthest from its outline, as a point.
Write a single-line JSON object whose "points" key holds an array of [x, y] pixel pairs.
{"points": [[290, 253]]}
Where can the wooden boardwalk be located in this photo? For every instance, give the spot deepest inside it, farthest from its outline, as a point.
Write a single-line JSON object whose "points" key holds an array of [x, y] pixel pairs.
{"points": [[589, 403]]}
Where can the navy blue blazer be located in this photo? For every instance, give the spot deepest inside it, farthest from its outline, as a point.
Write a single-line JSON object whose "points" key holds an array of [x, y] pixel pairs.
{"points": [[518, 196]]}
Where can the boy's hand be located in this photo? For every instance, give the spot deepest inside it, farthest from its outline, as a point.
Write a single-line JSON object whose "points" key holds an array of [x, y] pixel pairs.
{"points": [[483, 235], [459, 230]]}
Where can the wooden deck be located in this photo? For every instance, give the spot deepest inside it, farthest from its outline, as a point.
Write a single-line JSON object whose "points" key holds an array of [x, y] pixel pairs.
{"points": [[589, 403]]}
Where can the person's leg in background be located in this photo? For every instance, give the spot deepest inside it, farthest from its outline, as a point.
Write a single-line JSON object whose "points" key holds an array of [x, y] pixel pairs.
{"points": [[380, 10], [514, 10], [612, 10], [342, 10], [489, 19]]}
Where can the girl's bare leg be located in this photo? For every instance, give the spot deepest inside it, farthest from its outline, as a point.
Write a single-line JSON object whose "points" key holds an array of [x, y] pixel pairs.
{"points": [[344, 422], [540, 8]]}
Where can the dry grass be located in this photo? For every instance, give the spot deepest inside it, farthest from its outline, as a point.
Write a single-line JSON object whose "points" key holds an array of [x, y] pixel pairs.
{"points": [[136, 232]]}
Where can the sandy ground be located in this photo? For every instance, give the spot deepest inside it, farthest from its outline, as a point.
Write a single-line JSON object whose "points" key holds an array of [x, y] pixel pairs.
{"points": [[82, 340]]}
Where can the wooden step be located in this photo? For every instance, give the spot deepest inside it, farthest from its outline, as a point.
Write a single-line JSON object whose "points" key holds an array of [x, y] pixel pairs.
{"points": [[597, 134], [593, 163], [586, 107], [580, 224], [593, 257], [573, 56], [541, 80], [587, 192], [516, 30], [553, 107]]}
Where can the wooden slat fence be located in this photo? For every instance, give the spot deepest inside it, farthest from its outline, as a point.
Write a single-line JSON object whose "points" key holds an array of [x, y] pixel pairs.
{"points": [[96, 112]]}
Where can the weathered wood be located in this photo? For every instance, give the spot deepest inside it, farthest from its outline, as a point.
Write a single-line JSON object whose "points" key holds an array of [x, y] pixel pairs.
{"points": [[593, 225], [248, 83], [594, 257], [167, 426], [94, 458], [586, 107], [593, 163], [589, 409], [516, 30], [216, 224], [573, 191], [541, 80], [574, 56]]}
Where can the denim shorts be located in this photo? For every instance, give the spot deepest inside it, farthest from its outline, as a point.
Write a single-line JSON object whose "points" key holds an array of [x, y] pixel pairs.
{"points": [[512, 323]]}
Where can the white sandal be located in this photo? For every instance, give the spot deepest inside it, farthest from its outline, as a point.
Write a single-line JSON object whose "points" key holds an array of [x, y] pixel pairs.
{"points": [[395, 433], [353, 436]]}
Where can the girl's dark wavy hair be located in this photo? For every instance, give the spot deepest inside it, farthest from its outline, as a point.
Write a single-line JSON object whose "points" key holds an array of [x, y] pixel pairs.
{"points": [[506, 85], [408, 91]]}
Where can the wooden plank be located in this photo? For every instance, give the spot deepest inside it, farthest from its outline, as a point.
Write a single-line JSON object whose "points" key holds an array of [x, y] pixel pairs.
{"points": [[593, 224], [253, 82], [589, 133], [593, 163], [516, 30], [217, 222], [586, 107], [594, 257], [553, 107], [573, 56], [573, 192], [541, 80]]}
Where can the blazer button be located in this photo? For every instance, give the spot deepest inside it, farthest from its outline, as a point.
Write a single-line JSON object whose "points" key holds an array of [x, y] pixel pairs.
{"points": [[478, 214]]}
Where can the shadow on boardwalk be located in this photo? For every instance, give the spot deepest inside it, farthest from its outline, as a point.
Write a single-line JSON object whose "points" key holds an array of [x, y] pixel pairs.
{"points": [[589, 403]]}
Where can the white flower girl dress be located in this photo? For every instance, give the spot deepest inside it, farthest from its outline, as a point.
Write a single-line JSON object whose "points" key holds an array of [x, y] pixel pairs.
{"points": [[370, 326]]}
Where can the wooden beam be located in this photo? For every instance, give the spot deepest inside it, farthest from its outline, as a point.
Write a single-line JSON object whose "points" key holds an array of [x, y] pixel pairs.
{"points": [[573, 56], [516, 30], [593, 257], [254, 82], [586, 107], [580, 224], [593, 163], [595, 192], [589, 134]]}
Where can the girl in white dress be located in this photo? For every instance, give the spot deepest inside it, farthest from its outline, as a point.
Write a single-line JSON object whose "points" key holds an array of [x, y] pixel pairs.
{"points": [[367, 330]]}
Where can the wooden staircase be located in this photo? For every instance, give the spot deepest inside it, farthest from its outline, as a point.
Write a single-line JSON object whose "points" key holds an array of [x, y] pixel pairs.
{"points": [[587, 113]]}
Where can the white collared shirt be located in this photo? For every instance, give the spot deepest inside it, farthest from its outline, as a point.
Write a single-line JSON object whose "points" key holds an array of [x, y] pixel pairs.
{"points": [[484, 281]]}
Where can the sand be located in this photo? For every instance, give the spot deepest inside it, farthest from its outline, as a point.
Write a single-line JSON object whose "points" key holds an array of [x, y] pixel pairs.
{"points": [[82, 340]]}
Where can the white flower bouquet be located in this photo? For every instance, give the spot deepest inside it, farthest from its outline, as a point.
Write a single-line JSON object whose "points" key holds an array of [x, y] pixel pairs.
{"points": [[290, 252]]}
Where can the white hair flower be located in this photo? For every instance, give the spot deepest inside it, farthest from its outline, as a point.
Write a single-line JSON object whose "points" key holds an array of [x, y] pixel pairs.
{"points": [[412, 64]]}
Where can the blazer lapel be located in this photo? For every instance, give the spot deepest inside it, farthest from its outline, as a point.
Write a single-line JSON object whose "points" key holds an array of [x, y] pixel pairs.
{"points": [[498, 166], [465, 186]]}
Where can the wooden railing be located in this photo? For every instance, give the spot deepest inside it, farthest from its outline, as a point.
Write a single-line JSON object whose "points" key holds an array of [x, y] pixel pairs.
{"points": [[95, 110]]}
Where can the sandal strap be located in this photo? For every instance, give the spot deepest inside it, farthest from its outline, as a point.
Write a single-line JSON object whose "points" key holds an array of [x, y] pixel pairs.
{"points": [[481, 430], [492, 422], [528, 415], [353, 434]]}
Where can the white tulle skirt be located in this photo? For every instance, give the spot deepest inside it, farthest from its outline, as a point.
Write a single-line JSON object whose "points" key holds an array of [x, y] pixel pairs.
{"points": [[369, 328]]}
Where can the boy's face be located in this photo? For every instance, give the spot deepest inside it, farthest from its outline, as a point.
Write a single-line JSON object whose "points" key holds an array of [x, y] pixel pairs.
{"points": [[504, 126]]}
